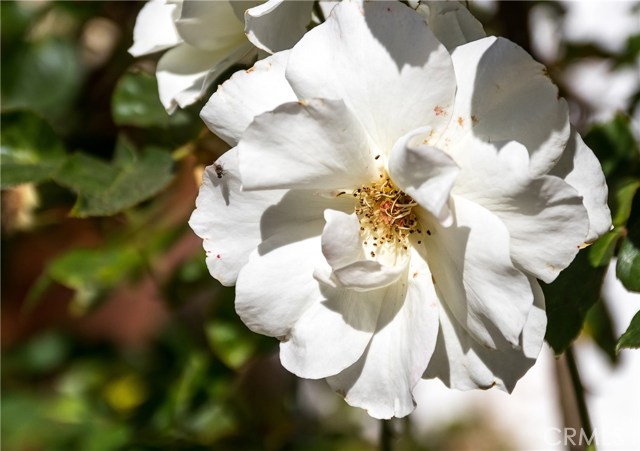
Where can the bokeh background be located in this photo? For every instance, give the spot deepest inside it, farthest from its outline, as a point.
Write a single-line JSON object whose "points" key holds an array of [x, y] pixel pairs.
{"points": [[115, 337]]}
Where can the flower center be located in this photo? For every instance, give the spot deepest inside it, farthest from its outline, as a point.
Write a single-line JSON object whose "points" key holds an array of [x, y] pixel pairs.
{"points": [[386, 215]]}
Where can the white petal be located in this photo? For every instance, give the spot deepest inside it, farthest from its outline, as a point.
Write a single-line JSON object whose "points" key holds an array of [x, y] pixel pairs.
{"points": [[383, 61], [228, 219], [277, 284], [210, 25], [545, 216], [154, 29], [311, 144], [341, 238], [184, 72], [365, 275], [473, 274], [462, 363], [323, 330], [424, 172], [277, 24], [342, 247], [245, 95], [580, 168], [451, 22], [504, 95], [300, 207], [383, 379], [331, 335]]}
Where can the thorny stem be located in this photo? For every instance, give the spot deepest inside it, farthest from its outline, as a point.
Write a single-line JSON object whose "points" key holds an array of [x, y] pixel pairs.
{"points": [[578, 391]]}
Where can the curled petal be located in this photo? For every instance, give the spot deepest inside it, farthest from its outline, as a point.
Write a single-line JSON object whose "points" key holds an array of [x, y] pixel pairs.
{"points": [[309, 144], [545, 216], [382, 60], [451, 22], [580, 168], [209, 25], [474, 275], [184, 73], [155, 29], [245, 95], [382, 380], [463, 363], [277, 24], [342, 247], [424, 172], [504, 95], [222, 203]]}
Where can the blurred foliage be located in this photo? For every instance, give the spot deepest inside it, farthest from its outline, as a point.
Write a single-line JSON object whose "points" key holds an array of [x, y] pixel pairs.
{"points": [[116, 178], [30, 149]]}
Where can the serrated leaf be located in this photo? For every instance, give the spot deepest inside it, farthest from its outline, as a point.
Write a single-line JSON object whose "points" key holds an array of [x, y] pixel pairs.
{"points": [[29, 148], [601, 252], [631, 338], [569, 298], [105, 189]]}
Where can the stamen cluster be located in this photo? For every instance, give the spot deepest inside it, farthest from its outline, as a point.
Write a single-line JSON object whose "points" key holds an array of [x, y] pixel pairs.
{"points": [[386, 213]]}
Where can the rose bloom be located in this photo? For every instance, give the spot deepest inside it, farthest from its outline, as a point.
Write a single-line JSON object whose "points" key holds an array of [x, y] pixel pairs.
{"points": [[206, 37], [388, 205]]}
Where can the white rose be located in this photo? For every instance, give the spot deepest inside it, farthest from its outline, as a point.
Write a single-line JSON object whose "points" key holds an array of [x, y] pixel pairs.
{"points": [[389, 206]]}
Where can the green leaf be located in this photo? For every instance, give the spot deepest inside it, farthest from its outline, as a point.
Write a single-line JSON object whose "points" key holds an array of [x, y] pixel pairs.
{"points": [[569, 298], [30, 150], [105, 189], [602, 250], [599, 326], [631, 338], [44, 76], [135, 102], [622, 200], [628, 266]]}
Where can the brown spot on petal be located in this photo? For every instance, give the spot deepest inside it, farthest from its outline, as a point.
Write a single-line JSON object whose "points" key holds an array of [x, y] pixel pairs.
{"points": [[218, 256], [251, 69], [439, 111], [460, 121], [415, 275]]}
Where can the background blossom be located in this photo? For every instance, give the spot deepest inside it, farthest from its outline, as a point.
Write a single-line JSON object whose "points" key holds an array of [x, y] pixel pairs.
{"points": [[205, 38]]}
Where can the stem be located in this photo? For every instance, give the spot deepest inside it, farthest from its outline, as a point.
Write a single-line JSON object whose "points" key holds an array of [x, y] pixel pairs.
{"points": [[386, 435], [578, 391]]}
